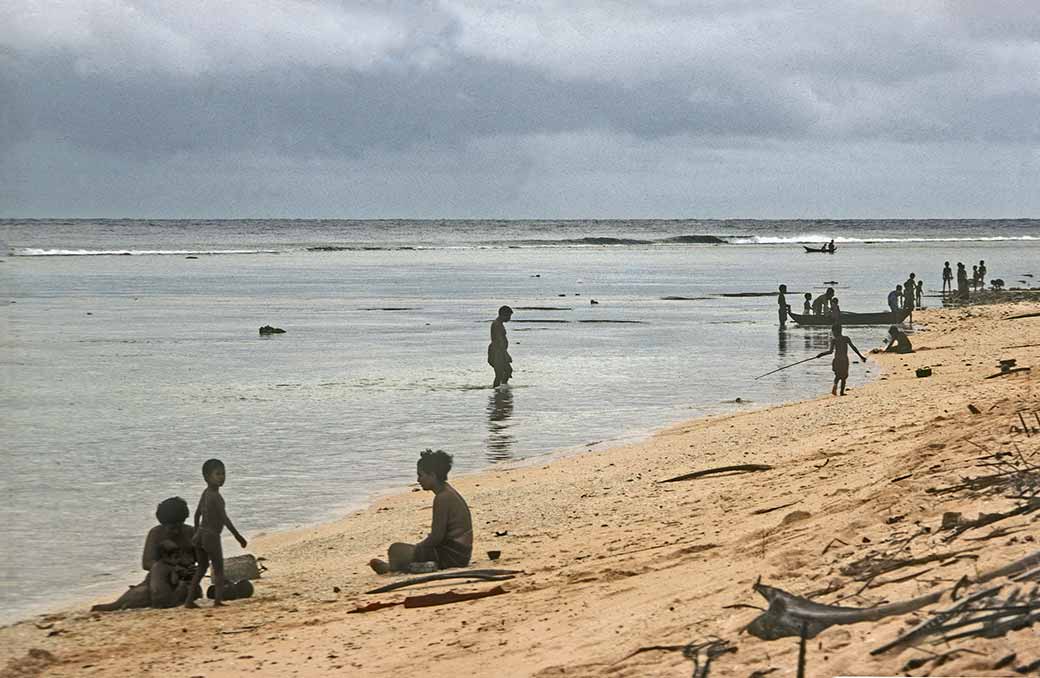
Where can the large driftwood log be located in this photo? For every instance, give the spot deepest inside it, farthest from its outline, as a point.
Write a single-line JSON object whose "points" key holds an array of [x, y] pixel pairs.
{"points": [[789, 614]]}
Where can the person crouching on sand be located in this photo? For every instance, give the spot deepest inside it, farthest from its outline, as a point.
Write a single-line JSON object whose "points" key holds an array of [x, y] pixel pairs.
{"points": [[450, 542], [840, 345], [898, 342]]}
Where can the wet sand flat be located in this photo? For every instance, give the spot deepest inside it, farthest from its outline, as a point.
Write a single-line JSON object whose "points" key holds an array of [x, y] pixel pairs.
{"points": [[615, 561]]}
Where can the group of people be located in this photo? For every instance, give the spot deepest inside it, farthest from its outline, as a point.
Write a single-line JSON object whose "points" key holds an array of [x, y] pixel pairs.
{"points": [[176, 556], [907, 295], [978, 280], [825, 304]]}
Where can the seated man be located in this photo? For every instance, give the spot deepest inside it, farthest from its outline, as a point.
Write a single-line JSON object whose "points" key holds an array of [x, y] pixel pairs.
{"points": [[898, 342], [450, 542]]}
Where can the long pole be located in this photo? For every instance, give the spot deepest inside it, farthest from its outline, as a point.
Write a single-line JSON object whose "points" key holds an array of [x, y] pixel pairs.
{"points": [[786, 366]]}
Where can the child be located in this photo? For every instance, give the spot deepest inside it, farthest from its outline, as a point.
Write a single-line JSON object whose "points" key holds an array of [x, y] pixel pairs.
{"points": [[450, 542], [165, 587], [920, 292], [783, 308], [807, 306], [210, 520], [840, 345]]}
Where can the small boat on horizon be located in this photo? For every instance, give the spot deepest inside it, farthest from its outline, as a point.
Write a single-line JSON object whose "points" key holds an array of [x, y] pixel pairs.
{"points": [[850, 318], [825, 249]]}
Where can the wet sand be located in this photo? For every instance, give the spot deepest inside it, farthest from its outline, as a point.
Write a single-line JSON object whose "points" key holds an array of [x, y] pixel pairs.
{"points": [[615, 561]]}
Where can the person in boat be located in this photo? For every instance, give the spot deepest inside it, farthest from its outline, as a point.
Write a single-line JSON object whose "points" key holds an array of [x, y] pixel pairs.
{"points": [[962, 282], [895, 299], [898, 342], [171, 514], [822, 304], [830, 246], [783, 308], [840, 345], [498, 353], [450, 542], [807, 306], [947, 279]]}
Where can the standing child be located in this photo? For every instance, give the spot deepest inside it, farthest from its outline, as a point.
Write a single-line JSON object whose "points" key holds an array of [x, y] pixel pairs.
{"points": [[782, 306], [210, 519], [840, 345], [920, 292], [947, 277], [807, 306]]}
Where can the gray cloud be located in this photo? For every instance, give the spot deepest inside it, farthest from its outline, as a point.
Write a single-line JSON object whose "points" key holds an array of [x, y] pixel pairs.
{"points": [[283, 94]]}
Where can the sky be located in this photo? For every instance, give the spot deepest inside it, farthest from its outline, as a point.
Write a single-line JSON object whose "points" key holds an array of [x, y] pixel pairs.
{"points": [[507, 109]]}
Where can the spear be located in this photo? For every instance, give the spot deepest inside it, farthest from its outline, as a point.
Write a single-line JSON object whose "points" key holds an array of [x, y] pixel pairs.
{"points": [[786, 366]]}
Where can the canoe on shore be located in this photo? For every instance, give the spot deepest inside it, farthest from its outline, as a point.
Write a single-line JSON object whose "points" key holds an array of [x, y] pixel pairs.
{"points": [[824, 249], [850, 318]]}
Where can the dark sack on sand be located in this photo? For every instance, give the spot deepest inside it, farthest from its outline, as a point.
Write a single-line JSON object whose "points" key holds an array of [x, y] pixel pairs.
{"points": [[241, 567]]}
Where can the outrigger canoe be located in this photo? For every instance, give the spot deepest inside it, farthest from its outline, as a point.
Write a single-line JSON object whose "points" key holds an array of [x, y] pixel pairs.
{"points": [[849, 318], [824, 249]]}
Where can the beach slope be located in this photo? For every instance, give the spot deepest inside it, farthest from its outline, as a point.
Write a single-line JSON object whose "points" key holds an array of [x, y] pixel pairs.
{"points": [[850, 512]]}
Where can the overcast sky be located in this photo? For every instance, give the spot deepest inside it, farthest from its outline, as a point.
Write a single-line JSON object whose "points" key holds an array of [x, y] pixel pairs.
{"points": [[557, 109]]}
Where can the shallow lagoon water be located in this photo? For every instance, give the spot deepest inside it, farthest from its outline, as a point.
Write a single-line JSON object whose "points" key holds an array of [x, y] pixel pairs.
{"points": [[122, 374]]}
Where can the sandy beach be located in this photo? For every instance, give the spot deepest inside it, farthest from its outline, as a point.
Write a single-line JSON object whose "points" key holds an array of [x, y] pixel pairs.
{"points": [[614, 561]]}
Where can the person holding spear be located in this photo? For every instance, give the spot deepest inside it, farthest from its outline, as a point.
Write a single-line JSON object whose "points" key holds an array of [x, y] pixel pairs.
{"points": [[840, 345]]}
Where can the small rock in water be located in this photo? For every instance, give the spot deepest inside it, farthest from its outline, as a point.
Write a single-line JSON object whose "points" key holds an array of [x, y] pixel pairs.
{"points": [[267, 329], [593, 302]]}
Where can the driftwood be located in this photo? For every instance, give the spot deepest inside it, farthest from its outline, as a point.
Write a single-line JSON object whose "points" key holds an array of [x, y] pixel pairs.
{"points": [[702, 653], [429, 600], [739, 468], [432, 599], [788, 614], [483, 575]]}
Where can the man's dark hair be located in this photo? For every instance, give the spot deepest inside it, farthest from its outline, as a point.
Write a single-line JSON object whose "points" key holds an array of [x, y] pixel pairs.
{"points": [[172, 511], [436, 462], [210, 466], [505, 310]]}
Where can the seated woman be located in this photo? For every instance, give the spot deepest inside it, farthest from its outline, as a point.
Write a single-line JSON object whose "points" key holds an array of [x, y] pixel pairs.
{"points": [[450, 542], [898, 342], [171, 514]]}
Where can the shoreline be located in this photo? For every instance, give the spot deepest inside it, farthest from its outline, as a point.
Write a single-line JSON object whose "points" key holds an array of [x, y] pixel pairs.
{"points": [[613, 560]]}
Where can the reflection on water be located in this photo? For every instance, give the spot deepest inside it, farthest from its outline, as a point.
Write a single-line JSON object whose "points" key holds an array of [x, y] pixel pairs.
{"points": [[781, 345], [499, 410]]}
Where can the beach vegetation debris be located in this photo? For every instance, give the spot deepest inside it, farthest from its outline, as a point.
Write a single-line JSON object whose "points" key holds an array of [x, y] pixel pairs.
{"points": [[450, 597], [701, 653], [484, 575], [727, 470]]}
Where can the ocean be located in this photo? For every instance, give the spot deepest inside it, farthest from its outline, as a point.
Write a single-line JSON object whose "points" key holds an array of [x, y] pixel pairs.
{"points": [[131, 354]]}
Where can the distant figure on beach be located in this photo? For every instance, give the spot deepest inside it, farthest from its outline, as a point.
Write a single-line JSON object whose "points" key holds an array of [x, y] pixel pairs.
{"points": [[962, 282], [898, 342], [895, 299], [210, 520], [982, 273], [974, 278], [498, 355], [807, 306], [910, 291], [830, 246], [171, 514], [835, 311], [840, 345], [947, 278], [450, 542], [783, 308], [920, 292], [822, 304]]}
